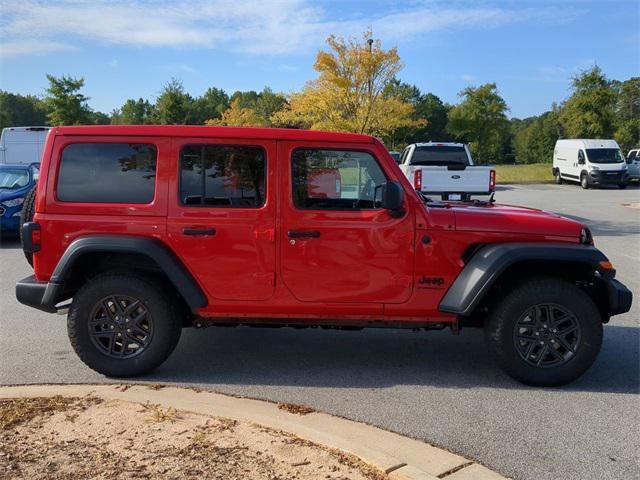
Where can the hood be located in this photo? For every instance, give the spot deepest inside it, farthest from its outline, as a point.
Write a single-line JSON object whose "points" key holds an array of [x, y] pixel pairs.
{"points": [[512, 219]]}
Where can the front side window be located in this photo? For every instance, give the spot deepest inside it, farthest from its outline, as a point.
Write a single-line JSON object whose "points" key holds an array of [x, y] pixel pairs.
{"points": [[222, 176], [107, 173], [605, 155], [336, 179]]}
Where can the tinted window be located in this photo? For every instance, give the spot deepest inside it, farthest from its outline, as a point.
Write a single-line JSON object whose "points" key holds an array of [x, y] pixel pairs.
{"points": [[439, 155], [222, 176], [335, 179], [107, 173]]}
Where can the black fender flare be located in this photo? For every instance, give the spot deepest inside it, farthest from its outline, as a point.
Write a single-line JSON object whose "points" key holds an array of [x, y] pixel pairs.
{"points": [[153, 248], [490, 261]]}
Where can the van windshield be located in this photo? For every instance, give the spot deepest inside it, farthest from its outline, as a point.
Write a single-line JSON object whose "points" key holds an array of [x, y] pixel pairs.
{"points": [[604, 155], [440, 155], [13, 179]]}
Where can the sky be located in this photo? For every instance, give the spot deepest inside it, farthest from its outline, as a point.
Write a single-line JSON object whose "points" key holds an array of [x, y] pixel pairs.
{"points": [[529, 48]]}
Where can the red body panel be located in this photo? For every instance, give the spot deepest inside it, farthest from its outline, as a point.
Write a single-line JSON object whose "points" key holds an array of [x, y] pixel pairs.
{"points": [[365, 264]]}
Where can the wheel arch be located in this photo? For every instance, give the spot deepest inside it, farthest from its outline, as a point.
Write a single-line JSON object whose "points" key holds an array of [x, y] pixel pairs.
{"points": [[88, 256], [496, 267]]}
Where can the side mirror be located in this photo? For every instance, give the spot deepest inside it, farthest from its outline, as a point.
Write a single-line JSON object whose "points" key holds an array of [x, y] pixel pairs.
{"points": [[393, 198], [580, 161]]}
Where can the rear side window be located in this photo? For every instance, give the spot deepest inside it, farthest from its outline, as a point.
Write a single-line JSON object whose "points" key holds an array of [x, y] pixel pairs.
{"points": [[107, 173], [336, 179], [222, 176]]}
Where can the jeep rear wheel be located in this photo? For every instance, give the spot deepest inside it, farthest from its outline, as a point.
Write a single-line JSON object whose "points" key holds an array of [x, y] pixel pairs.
{"points": [[544, 332], [122, 325]]}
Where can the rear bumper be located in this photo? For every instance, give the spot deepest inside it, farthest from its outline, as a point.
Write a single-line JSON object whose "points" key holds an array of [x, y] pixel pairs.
{"points": [[37, 294], [620, 297]]}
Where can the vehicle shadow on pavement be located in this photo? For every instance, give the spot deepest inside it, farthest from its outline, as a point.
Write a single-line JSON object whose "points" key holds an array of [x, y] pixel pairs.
{"points": [[373, 359], [616, 228], [9, 241]]}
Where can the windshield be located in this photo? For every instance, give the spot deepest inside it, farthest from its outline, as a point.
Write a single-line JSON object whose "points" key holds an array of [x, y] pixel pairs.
{"points": [[14, 179], [605, 155], [440, 155]]}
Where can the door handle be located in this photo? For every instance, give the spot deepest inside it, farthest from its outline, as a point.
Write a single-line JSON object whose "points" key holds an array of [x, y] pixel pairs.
{"points": [[199, 231], [303, 234]]}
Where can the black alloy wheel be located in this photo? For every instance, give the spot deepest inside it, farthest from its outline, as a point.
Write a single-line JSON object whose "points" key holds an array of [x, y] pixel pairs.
{"points": [[120, 326], [548, 335]]}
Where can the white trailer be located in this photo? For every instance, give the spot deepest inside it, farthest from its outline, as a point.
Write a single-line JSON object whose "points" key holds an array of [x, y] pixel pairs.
{"points": [[22, 145]]}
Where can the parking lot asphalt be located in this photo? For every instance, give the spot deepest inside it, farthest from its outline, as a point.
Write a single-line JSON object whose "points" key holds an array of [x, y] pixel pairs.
{"points": [[428, 385]]}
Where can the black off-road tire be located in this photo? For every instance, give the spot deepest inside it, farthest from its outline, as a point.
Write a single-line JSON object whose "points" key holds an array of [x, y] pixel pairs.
{"points": [[166, 315], [26, 215], [501, 323], [584, 181]]}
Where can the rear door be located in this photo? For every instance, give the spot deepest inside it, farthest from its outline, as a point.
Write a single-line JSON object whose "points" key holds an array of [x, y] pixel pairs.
{"points": [[337, 244], [222, 213]]}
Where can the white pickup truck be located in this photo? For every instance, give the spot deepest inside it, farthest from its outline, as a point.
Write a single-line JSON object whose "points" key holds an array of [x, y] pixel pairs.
{"points": [[446, 169]]}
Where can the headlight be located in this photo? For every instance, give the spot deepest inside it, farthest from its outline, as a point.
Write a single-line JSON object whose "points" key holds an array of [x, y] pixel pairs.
{"points": [[13, 203], [594, 168], [625, 168]]}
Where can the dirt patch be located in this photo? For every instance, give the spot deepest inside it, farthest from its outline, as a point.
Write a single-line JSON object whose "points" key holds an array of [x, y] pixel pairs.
{"points": [[70, 438], [297, 409]]}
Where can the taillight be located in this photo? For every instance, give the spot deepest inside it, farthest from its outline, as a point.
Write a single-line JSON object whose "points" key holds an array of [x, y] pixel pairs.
{"points": [[417, 179], [36, 238], [492, 180]]}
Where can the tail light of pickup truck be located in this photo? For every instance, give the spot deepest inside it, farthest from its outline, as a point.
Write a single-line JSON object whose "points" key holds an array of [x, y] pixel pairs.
{"points": [[492, 180], [417, 179]]}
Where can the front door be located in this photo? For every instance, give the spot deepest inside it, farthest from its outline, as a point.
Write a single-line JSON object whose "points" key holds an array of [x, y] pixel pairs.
{"points": [[221, 219], [337, 244]]}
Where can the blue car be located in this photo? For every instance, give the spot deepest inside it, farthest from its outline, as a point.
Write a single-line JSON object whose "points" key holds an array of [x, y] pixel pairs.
{"points": [[16, 181]]}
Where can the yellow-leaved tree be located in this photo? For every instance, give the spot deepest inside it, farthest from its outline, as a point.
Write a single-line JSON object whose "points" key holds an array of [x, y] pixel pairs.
{"points": [[238, 116], [348, 95]]}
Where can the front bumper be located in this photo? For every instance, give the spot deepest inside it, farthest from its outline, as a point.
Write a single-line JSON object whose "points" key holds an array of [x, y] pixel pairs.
{"points": [[9, 223], [37, 294], [602, 177], [620, 297]]}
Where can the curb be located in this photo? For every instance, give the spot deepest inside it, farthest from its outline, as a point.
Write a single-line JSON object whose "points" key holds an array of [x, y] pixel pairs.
{"points": [[400, 457]]}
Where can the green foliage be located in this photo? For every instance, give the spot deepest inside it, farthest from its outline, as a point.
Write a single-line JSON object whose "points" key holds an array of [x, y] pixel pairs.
{"points": [[589, 112], [211, 105], [173, 105], [480, 119], [133, 112], [427, 108], [20, 110], [627, 110], [64, 102], [535, 140], [99, 118]]}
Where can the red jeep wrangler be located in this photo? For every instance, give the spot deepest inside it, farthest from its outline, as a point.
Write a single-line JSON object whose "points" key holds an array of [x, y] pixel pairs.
{"points": [[140, 231]]}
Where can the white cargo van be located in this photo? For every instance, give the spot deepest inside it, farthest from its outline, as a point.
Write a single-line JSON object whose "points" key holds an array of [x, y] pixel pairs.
{"points": [[589, 162], [22, 145]]}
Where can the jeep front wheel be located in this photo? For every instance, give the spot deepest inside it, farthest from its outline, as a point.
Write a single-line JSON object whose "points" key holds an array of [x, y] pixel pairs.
{"points": [[544, 332], [123, 325]]}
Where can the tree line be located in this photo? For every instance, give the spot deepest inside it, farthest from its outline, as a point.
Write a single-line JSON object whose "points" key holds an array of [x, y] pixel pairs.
{"points": [[357, 90]]}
